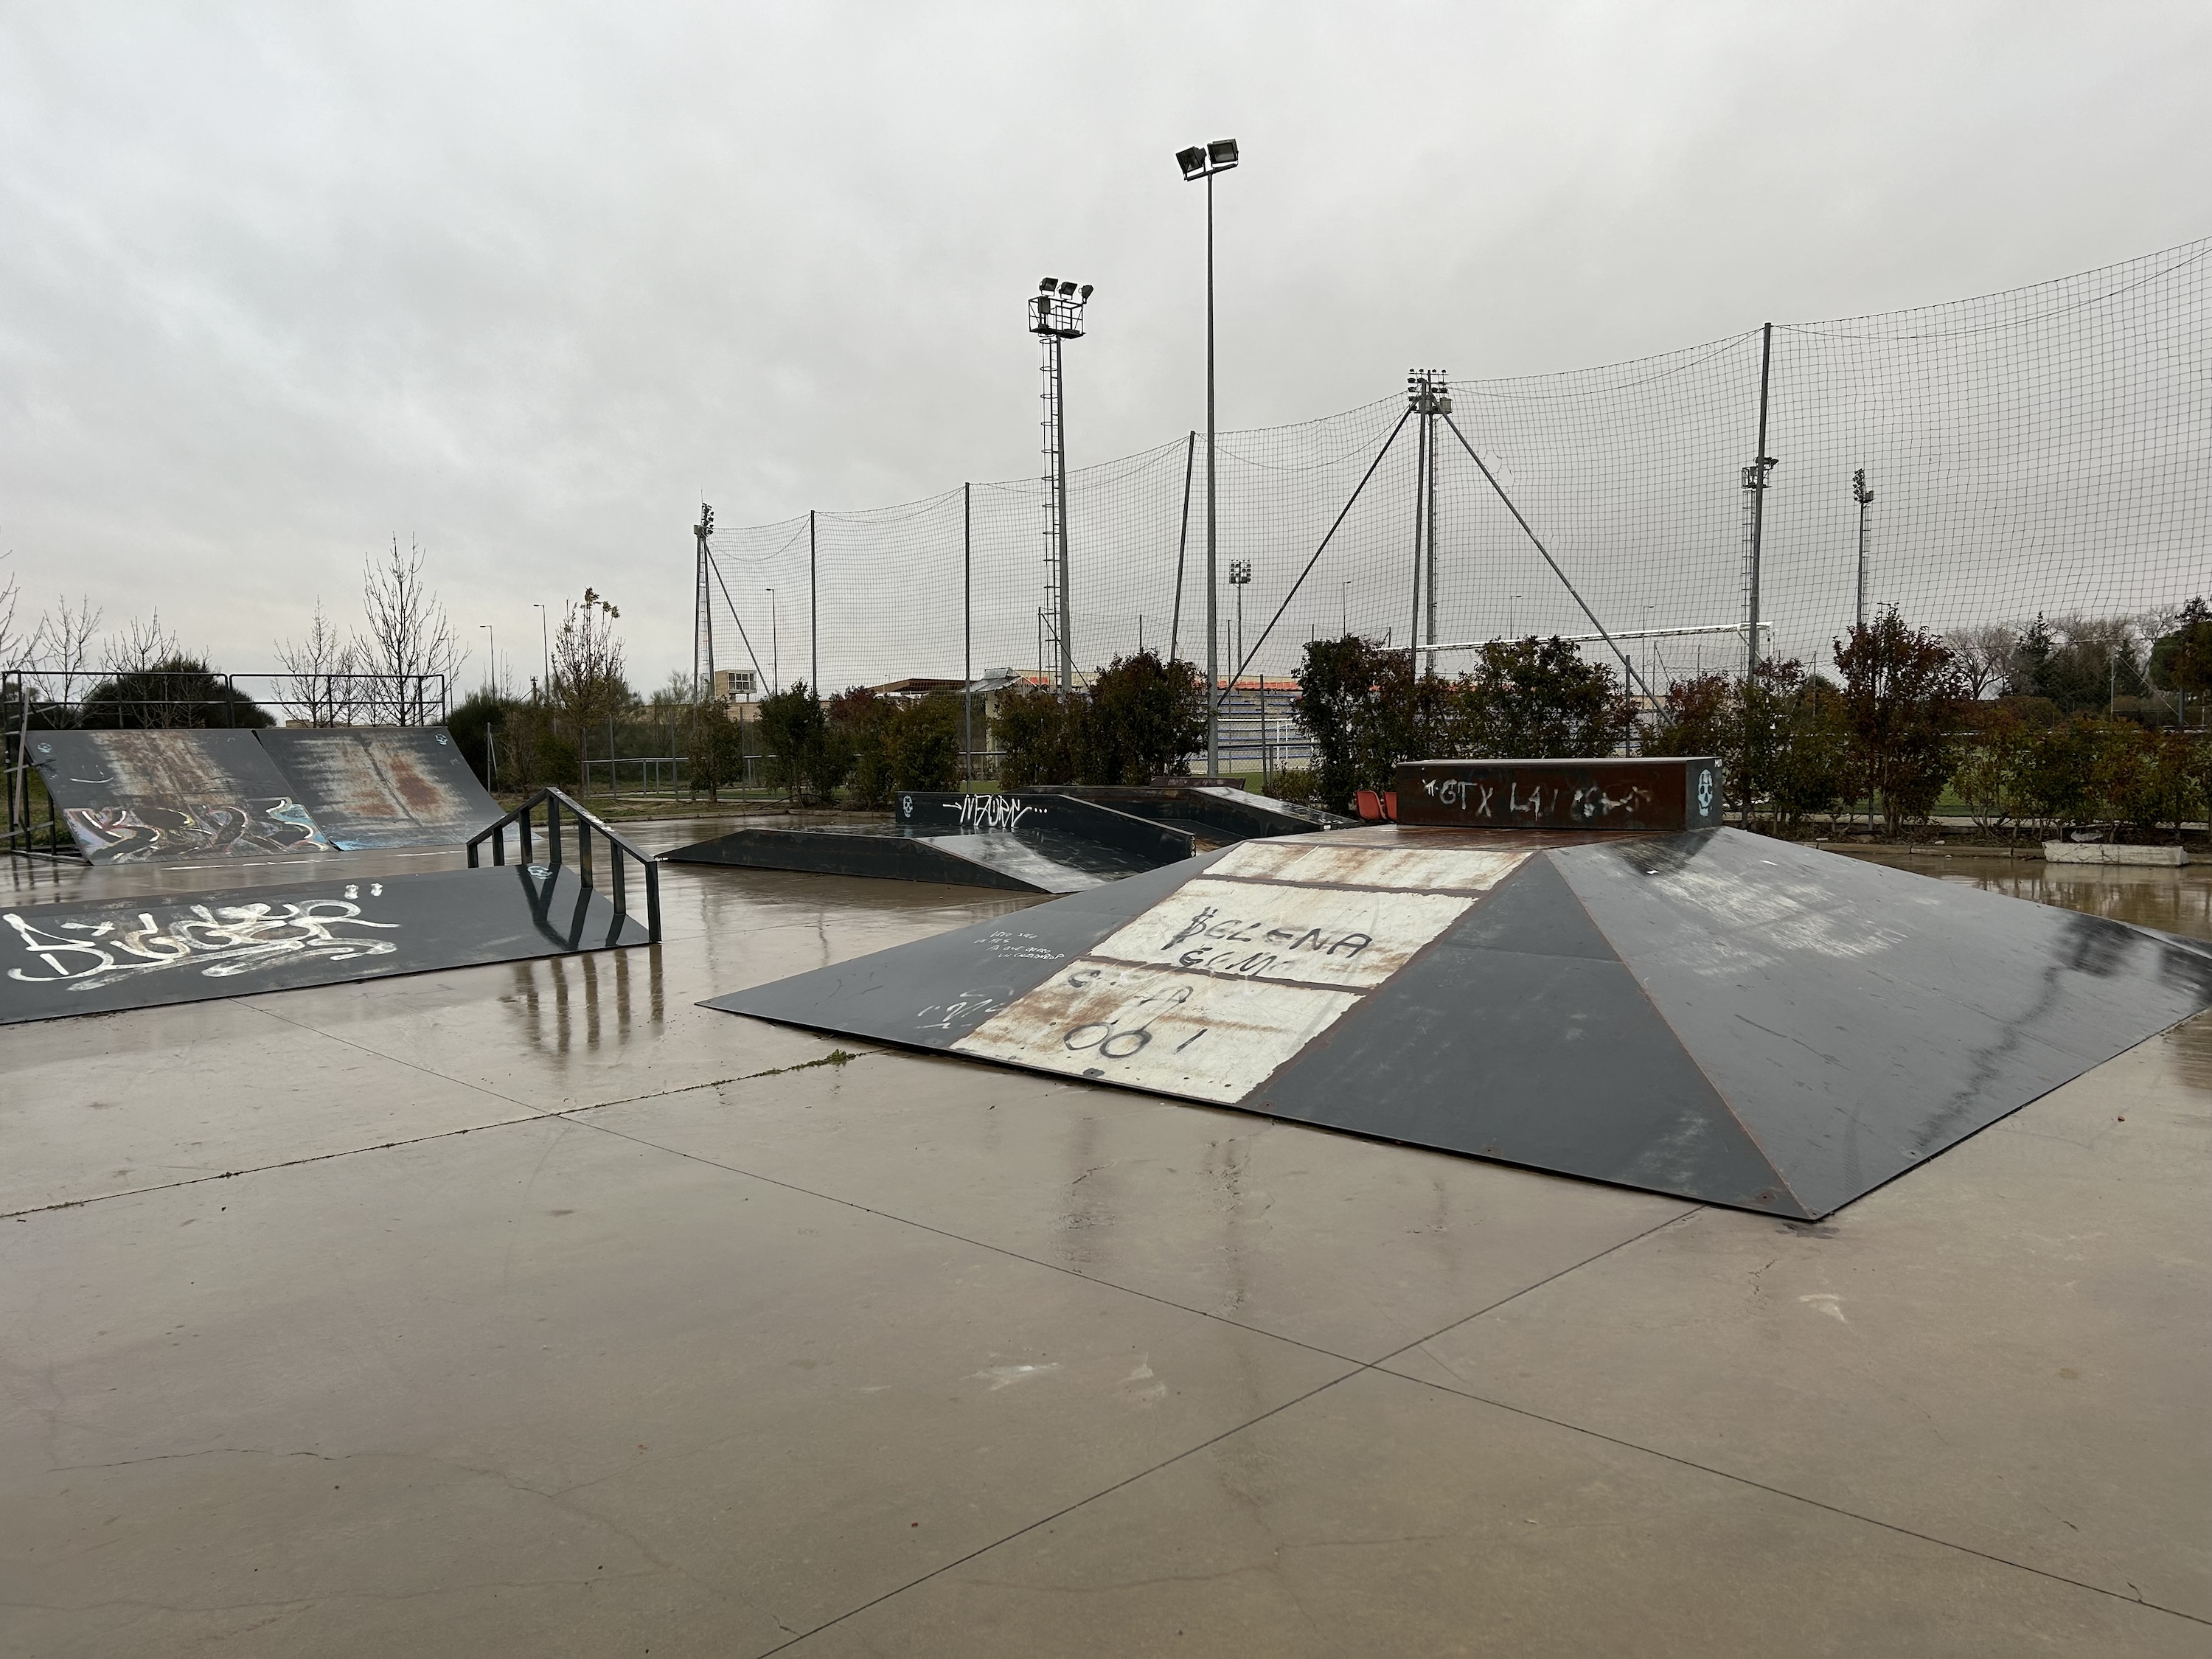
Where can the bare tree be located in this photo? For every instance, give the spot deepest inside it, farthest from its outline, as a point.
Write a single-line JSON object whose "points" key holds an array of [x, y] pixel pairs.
{"points": [[62, 649], [1983, 656], [141, 648], [587, 672], [408, 642], [318, 685]]}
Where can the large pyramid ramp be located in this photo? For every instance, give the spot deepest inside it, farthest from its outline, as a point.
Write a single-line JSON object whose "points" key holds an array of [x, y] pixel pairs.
{"points": [[1707, 1013], [383, 786], [139, 797], [95, 958]]}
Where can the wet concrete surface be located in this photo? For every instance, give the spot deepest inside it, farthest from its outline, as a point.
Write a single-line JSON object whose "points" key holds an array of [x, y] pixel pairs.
{"points": [[533, 1310]]}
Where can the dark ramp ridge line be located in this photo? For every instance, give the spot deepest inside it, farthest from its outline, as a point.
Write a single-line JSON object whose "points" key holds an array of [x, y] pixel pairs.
{"points": [[1705, 1013], [86, 958], [133, 797], [369, 786], [1023, 843]]}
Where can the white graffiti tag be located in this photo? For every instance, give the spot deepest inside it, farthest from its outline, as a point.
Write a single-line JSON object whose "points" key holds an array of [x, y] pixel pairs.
{"points": [[220, 941], [994, 812]]}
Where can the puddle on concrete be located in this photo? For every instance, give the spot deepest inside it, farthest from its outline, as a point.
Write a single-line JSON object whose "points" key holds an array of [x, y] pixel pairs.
{"points": [[2178, 900]]}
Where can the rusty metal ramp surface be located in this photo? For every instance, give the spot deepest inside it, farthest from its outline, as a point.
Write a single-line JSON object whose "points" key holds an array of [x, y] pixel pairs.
{"points": [[1706, 1014], [383, 786], [99, 957], [136, 796]]}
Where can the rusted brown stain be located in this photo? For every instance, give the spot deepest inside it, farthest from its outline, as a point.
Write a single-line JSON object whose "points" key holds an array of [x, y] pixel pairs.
{"points": [[185, 765], [387, 787]]}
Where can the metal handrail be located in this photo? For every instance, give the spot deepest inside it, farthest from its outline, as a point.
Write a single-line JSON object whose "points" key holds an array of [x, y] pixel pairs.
{"points": [[553, 800]]}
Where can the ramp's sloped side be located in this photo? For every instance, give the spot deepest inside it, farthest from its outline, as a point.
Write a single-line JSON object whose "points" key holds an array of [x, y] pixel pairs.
{"points": [[85, 959], [1051, 818], [383, 786], [853, 850], [131, 797], [1709, 1014], [1859, 1019]]}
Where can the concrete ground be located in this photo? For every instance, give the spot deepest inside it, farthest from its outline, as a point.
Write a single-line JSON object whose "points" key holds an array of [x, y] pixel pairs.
{"points": [[533, 1310]]}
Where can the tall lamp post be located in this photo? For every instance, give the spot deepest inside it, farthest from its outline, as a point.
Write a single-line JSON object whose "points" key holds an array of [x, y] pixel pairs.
{"points": [[1203, 161], [491, 652], [545, 643], [775, 650]]}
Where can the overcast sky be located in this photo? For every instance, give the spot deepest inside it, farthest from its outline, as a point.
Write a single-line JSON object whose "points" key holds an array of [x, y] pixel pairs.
{"points": [[529, 281]]}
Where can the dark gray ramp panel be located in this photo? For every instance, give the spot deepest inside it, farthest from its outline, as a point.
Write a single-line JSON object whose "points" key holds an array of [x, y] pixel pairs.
{"points": [[1027, 861], [1710, 1014], [63, 959], [383, 787], [133, 797]]}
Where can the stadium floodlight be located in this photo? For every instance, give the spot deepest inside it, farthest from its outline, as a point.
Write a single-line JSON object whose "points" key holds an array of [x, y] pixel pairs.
{"points": [[1203, 161], [1056, 314]]}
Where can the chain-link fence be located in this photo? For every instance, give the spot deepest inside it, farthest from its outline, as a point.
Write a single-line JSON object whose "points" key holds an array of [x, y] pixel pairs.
{"points": [[2046, 450]]}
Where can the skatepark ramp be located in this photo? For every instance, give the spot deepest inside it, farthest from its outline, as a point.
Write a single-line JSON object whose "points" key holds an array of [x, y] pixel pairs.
{"points": [[1695, 1011], [1042, 840], [88, 956], [127, 797]]}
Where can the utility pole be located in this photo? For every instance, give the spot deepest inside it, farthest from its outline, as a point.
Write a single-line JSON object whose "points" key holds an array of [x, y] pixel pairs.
{"points": [[813, 612], [1864, 497], [967, 637], [1240, 578]]}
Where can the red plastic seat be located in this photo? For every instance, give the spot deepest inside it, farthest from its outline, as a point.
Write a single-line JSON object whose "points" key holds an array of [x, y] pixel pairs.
{"points": [[1390, 805], [1368, 804]]}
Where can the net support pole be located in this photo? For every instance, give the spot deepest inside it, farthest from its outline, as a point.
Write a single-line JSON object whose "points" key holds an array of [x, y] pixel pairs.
{"points": [[813, 611], [1627, 668], [1420, 488], [967, 635], [1182, 545], [1759, 465]]}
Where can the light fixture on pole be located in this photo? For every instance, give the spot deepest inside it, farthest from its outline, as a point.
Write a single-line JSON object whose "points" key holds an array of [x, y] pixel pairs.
{"points": [[1510, 604], [1240, 578], [1056, 314], [545, 643], [774, 649], [491, 652], [1203, 161], [1428, 394]]}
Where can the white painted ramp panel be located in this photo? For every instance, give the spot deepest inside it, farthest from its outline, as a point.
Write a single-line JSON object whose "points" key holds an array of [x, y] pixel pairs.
{"points": [[1302, 859], [1172, 1031], [1347, 936], [1214, 990]]}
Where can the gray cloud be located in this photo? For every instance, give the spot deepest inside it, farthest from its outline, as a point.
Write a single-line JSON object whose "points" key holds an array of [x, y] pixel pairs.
{"points": [[281, 282]]}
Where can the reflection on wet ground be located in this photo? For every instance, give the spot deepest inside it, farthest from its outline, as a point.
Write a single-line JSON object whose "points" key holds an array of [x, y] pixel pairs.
{"points": [[2177, 901]]}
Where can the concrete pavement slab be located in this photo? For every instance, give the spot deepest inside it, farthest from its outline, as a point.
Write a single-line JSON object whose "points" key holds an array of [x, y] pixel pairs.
{"points": [[425, 1400], [1384, 1517], [122, 1102], [2009, 1348], [1355, 1247]]}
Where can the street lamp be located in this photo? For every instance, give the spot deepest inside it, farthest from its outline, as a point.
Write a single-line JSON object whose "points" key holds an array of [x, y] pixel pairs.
{"points": [[1343, 610], [545, 642], [1056, 314], [491, 653], [1240, 578], [775, 650], [1510, 633], [1203, 161]]}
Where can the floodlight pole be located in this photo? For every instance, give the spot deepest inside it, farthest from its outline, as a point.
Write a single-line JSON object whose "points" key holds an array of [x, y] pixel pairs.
{"points": [[1203, 161], [1213, 630]]}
